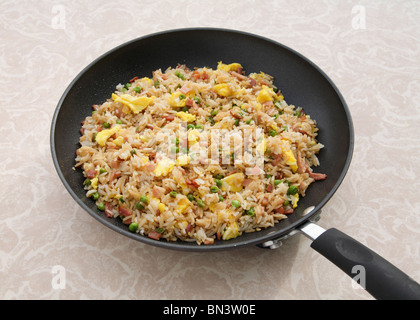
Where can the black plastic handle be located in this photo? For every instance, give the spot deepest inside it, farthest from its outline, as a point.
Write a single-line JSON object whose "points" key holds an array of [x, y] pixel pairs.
{"points": [[380, 278]]}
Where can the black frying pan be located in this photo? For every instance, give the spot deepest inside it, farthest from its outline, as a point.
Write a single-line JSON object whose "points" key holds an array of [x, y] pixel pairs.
{"points": [[302, 83]]}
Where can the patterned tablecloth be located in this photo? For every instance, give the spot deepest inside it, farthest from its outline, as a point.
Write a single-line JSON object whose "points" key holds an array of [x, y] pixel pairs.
{"points": [[370, 49]]}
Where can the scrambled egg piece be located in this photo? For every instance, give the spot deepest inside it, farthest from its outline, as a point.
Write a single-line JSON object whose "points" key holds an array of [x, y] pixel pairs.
{"points": [[182, 160], [119, 141], [136, 104], [164, 167], [193, 136], [223, 90], [295, 200], [187, 117], [233, 182], [94, 183], [266, 94], [231, 232], [288, 153], [161, 207], [103, 136], [228, 67], [183, 205]]}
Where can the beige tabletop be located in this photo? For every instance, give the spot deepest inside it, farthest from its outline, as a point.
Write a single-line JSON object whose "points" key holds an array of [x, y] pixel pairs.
{"points": [[50, 248]]}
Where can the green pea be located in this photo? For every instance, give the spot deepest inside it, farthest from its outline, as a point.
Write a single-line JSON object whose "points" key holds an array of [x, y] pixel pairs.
{"points": [[133, 152], [87, 182], [144, 199], [101, 206], [102, 170], [137, 89], [272, 133], [133, 227], [106, 125], [199, 126], [214, 189], [201, 203], [277, 182], [213, 112], [139, 206], [218, 182], [95, 196], [160, 230], [173, 194], [235, 203], [250, 212], [191, 197], [293, 190], [190, 126], [221, 199], [119, 121]]}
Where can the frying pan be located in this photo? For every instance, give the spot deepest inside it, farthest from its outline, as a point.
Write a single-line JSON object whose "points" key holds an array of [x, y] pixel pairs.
{"points": [[302, 83]]}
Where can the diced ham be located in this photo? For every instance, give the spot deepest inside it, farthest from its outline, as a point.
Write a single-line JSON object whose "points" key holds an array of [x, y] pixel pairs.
{"points": [[269, 188], [189, 228], [169, 117], [252, 82], [239, 76], [318, 176], [133, 79], [124, 211], [300, 163], [246, 182], [189, 102], [108, 210], [185, 89], [264, 202], [91, 174], [208, 241], [289, 211], [154, 235], [280, 210], [192, 183], [158, 191]]}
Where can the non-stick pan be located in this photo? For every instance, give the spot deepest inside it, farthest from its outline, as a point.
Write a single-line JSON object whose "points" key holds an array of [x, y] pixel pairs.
{"points": [[302, 83]]}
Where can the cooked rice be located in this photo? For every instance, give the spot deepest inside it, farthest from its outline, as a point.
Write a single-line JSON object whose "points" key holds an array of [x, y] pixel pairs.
{"points": [[123, 157]]}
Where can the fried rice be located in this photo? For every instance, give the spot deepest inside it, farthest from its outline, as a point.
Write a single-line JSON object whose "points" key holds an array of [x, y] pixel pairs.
{"points": [[198, 155]]}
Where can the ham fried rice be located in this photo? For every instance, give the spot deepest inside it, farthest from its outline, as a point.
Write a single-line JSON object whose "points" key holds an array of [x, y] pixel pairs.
{"points": [[198, 155]]}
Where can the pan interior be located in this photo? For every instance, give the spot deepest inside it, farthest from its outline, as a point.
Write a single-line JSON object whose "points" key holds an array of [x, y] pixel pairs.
{"points": [[302, 83]]}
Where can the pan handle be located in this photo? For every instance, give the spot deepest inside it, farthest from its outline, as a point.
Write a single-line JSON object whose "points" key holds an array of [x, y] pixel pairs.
{"points": [[380, 278]]}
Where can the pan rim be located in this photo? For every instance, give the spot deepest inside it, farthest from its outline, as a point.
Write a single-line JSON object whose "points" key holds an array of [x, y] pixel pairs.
{"points": [[185, 246]]}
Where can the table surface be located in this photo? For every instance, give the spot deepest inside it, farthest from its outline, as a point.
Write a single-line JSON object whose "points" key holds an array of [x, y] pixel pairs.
{"points": [[51, 249]]}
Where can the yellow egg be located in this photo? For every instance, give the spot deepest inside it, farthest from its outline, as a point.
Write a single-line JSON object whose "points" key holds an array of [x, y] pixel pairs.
{"points": [[233, 182], [266, 94], [295, 200], [103, 136], [182, 160], [119, 141], [136, 104], [223, 90], [231, 231], [288, 154], [161, 207], [184, 116], [183, 205], [164, 167], [228, 67], [94, 183]]}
